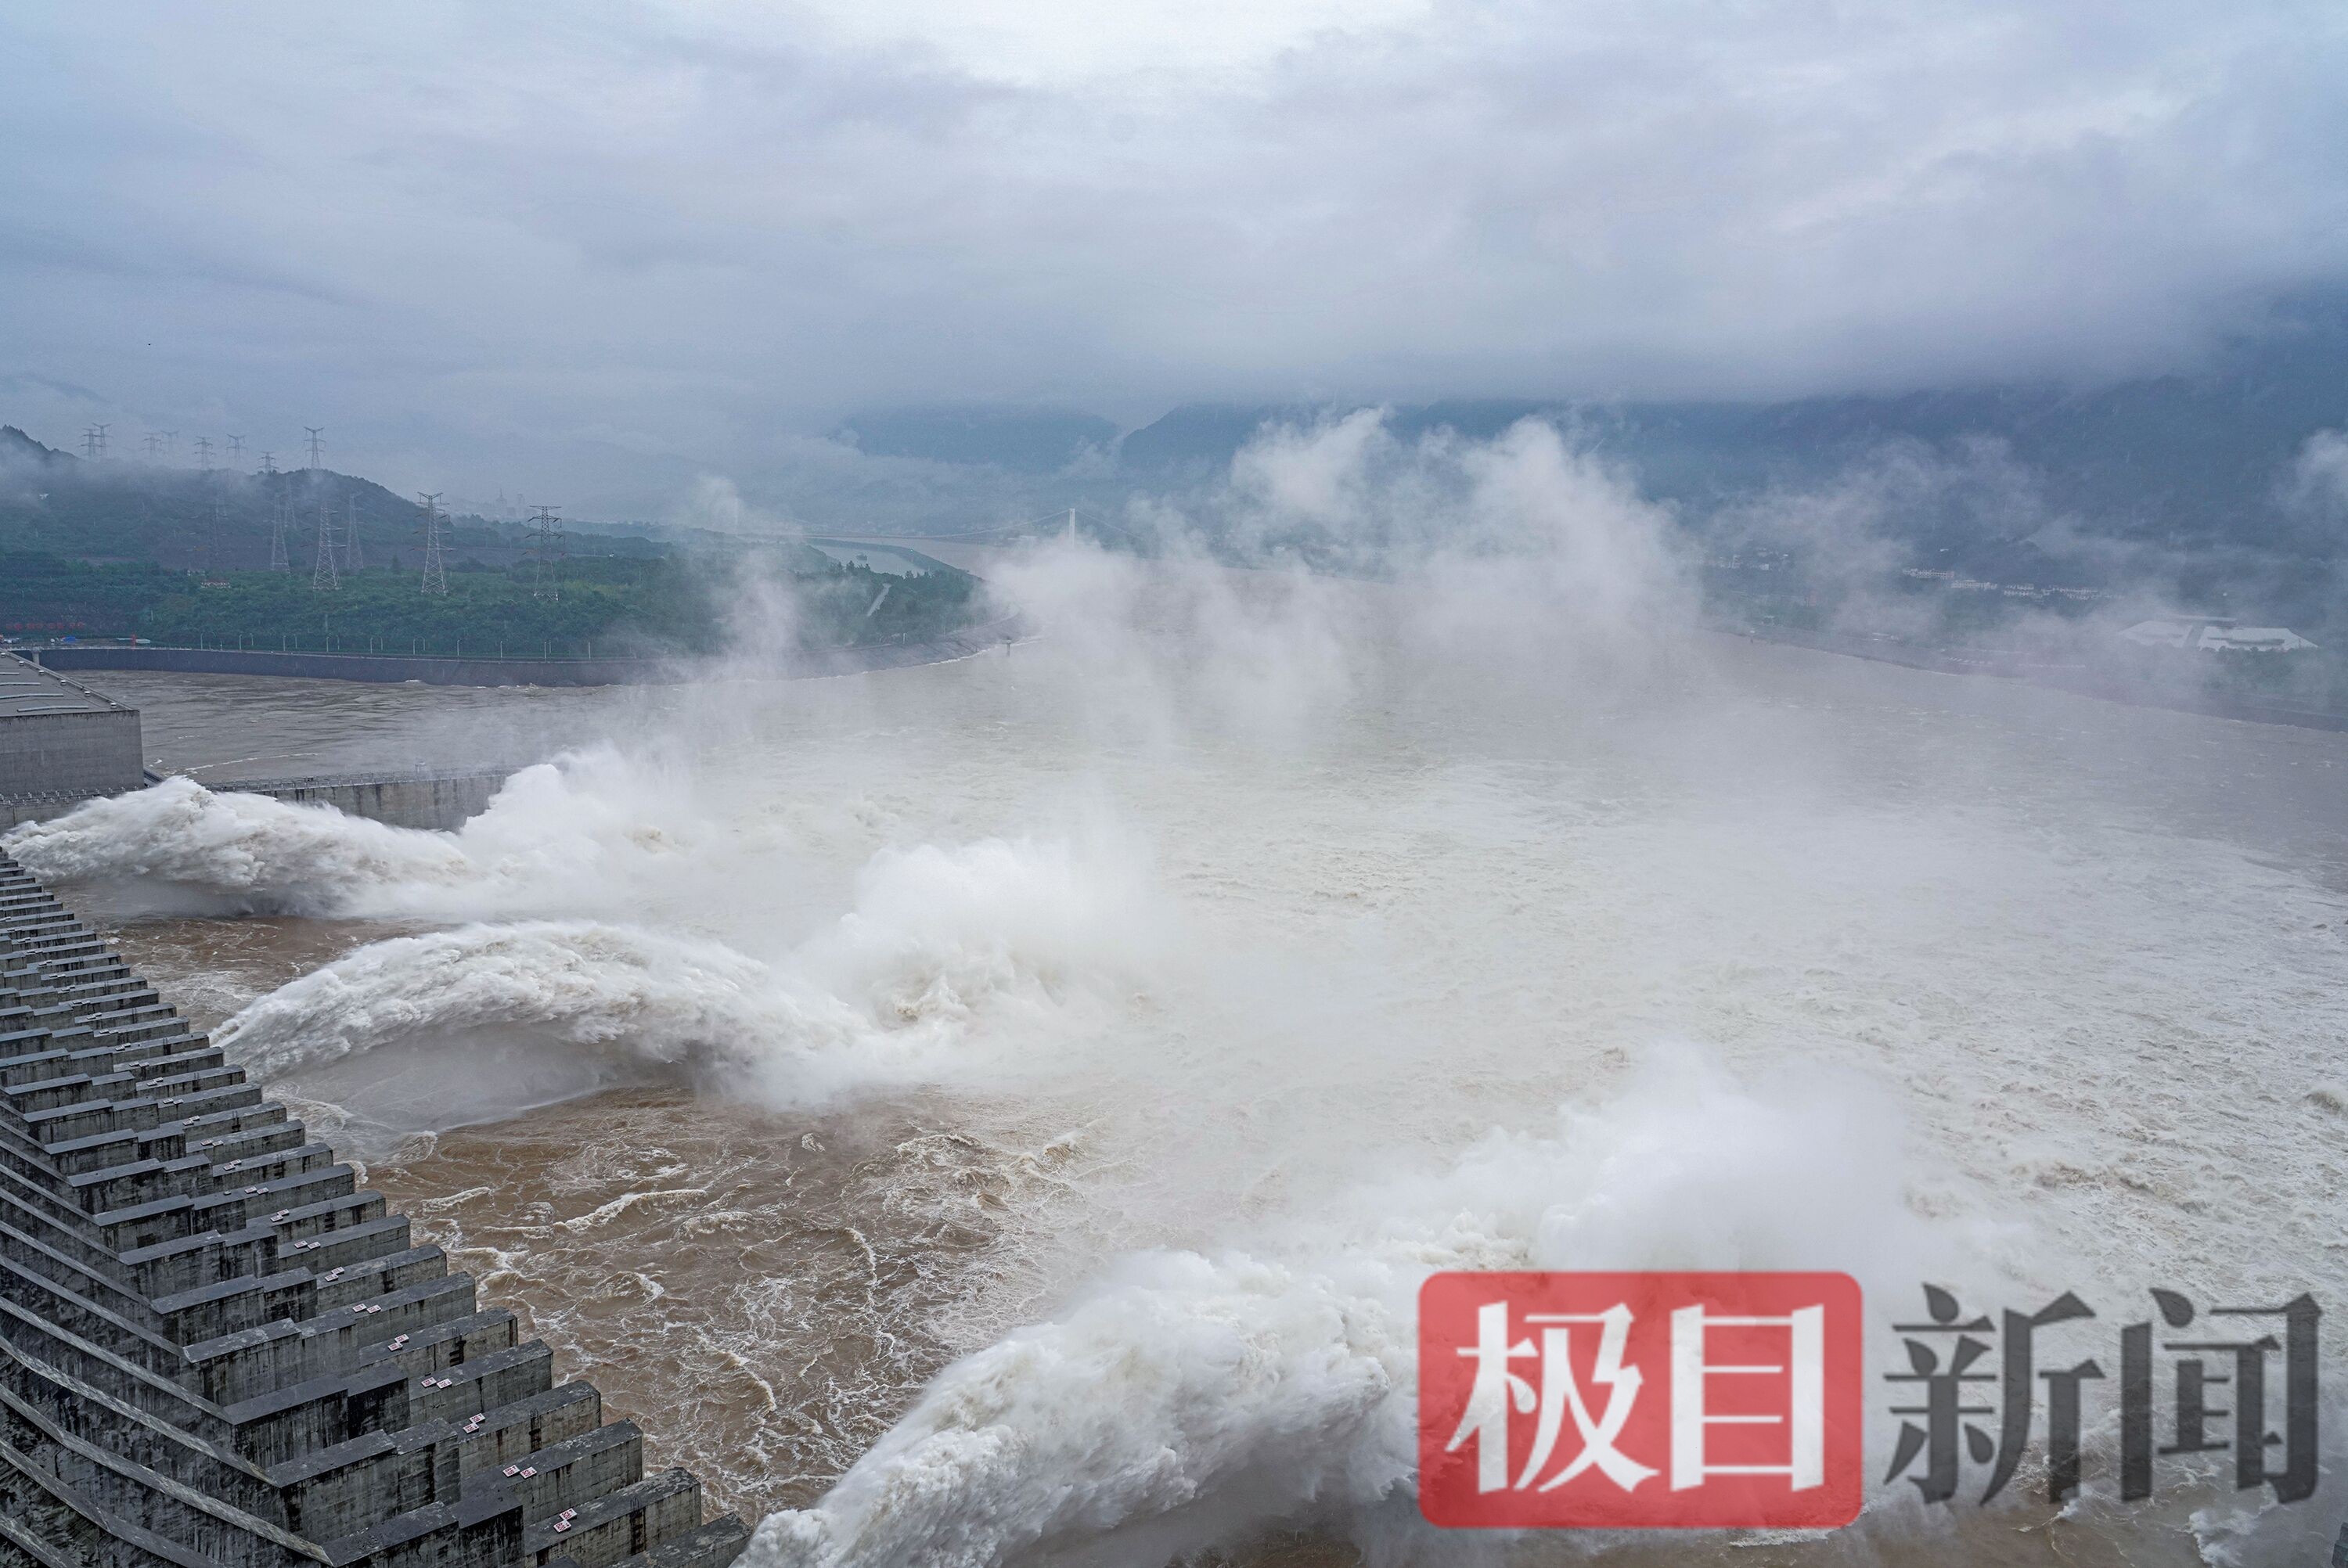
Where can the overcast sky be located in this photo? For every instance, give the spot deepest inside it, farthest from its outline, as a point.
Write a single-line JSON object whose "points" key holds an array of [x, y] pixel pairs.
{"points": [[698, 231]]}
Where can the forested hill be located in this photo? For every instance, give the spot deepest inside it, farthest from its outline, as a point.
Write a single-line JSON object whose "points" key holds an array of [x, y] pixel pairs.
{"points": [[56, 503], [111, 548]]}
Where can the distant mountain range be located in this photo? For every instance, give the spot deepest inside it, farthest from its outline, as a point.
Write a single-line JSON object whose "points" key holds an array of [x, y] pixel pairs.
{"points": [[56, 503], [2187, 478], [2188, 460], [121, 511], [2185, 481]]}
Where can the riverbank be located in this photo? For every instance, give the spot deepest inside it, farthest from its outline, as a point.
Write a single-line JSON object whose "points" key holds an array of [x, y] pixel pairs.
{"points": [[2075, 678], [395, 669]]}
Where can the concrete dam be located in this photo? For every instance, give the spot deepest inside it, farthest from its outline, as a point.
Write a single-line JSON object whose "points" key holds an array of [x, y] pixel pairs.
{"points": [[215, 1348], [441, 801], [60, 743]]}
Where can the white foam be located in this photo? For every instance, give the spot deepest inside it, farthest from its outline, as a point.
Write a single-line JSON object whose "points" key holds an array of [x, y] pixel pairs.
{"points": [[1186, 1399], [574, 835], [246, 851], [1013, 937]]}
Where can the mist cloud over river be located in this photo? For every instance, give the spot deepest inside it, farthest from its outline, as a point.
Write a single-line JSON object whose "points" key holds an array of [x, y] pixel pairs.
{"points": [[1157, 1003]]}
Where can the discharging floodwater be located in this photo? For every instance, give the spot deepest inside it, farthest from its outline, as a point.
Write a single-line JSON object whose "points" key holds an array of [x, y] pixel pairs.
{"points": [[883, 1018]]}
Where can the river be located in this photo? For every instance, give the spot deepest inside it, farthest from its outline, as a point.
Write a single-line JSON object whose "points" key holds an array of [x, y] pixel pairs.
{"points": [[1144, 1010]]}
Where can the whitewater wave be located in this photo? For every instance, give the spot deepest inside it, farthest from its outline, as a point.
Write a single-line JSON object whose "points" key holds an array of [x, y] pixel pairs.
{"points": [[1016, 941], [653, 998], [571, 835], [250, 851], [1188, 1400]]}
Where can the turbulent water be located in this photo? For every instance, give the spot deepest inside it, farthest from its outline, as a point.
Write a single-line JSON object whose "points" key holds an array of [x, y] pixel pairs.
{"points": [[1002, 1111]]}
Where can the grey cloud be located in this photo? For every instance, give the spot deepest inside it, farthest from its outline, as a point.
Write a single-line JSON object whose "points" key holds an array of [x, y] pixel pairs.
{"points": [[2318, 480], [615, 223]]}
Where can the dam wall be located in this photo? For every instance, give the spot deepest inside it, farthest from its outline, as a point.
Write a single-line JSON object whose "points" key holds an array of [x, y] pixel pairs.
{"points": [[2175, 697], [217, 1348], [385, 668], [444, 800], [393, 669], [59, 739]]}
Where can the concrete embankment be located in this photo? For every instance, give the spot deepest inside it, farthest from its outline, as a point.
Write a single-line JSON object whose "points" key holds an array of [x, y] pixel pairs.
{"points": [[2063, 677], [60, 738], [396, 668], [217, 1348], [445, 801]]}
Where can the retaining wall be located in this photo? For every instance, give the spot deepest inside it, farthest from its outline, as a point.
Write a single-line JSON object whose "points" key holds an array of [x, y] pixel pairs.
{"points": [[443, 801], [89, 753]]}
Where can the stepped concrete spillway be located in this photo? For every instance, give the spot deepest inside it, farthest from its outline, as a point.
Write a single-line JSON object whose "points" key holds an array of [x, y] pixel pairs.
{"points": [[216, 1350]]}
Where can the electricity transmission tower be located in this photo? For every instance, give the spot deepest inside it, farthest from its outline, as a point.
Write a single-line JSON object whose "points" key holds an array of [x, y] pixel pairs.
{"points": [[280, 519], [236, 451], [205, 453], [171, 446], [317, 443], [351, 559], [153, 445], [435, 568], [324, 578], [207, 550], [93, 442], [269, 462], [545, 550]]}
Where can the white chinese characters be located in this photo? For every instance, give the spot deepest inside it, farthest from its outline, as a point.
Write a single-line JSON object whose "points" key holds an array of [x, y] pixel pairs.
{"points": [[1500, 1392]]}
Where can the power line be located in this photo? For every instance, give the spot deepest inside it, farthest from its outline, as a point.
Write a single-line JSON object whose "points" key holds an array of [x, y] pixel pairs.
{"points": [[435, 568], [207, 548], [324, 578], [545, 550], [208, 542]]}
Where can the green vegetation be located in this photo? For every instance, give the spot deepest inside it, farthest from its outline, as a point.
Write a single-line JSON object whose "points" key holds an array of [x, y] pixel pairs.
{"points": [[111, 551], [599, 606], [48, 595]]}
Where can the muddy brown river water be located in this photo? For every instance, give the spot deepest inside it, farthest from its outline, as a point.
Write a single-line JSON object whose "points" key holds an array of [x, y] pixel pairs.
{"points": [[882, 1019]]}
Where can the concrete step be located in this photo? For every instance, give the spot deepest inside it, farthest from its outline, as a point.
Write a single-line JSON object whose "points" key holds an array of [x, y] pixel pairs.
{"points": [[508, 1435], [572, 1471], [712, 1545], [210, 1339], [434, 1318], [53, 1525], [462, 1392], [631, 1521]]}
